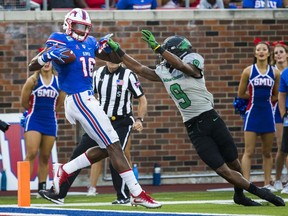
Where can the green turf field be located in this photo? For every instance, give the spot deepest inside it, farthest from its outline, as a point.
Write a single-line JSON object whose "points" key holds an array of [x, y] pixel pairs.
{"points": [[190, 202]]}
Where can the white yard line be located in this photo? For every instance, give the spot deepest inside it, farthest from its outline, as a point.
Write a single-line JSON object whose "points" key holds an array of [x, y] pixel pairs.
{"points": [[128, 204]]}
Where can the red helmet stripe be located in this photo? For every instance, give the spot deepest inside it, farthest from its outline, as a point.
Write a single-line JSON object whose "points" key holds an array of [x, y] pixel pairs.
{"points": [[84, 16]]}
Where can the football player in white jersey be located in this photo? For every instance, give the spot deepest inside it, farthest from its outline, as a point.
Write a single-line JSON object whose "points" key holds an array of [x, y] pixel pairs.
{"points": [[182, 73]]}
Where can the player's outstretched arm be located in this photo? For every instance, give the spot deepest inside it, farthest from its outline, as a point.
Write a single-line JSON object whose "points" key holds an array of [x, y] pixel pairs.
{"points": [[133, 64], [104, 52], [172, 59], [110, 57]]}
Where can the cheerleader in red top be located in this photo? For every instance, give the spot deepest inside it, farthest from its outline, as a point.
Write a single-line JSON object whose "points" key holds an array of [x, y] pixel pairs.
{"points": [[261, 81]]}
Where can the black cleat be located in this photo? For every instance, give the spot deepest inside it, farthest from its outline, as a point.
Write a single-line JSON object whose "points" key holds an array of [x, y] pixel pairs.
{"points": [[266, 194], [241, 199], [121, 201], [52, 197]]}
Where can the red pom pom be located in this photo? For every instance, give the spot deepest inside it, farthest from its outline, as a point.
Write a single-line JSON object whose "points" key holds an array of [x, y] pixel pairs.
{"points": [[256, 41]]}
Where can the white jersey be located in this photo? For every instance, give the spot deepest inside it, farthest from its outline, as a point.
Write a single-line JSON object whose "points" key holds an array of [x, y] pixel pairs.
{"points": [[189, 94]]}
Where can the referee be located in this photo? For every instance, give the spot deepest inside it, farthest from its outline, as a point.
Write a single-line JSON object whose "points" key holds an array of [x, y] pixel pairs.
{"points": [[115, 87]]}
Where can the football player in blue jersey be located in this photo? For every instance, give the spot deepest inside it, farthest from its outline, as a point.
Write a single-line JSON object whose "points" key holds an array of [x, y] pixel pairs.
{"points": [[75, 78]]}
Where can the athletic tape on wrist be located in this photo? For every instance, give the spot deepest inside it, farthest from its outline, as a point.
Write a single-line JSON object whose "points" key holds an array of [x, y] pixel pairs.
{"points": [[156, 47], [159, 49], [40, 60]]}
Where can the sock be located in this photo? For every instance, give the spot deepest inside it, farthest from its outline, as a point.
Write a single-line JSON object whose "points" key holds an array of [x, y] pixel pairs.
{"points": [[80, 162], [252, 188], [238, 190], [41, 186], [131, 182]]}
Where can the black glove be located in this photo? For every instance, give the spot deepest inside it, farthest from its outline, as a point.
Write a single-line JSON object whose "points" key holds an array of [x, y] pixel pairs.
{"points": [[4, 126]]}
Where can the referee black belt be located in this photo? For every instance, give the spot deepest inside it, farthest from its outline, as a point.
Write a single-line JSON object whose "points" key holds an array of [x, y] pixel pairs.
{"points": [[118, 117]]}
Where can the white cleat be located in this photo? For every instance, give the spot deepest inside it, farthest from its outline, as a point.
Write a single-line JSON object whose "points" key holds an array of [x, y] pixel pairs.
{"points": [[144, 200], [60, 176]]}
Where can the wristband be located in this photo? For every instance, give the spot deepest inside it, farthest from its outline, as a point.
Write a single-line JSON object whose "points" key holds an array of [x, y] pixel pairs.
{"points": [[40, 61], [159, 49], [156, 47], [120, 52]]}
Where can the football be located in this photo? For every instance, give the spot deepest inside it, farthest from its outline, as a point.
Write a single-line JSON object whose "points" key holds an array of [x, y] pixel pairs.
{"points": [[71, 57]]}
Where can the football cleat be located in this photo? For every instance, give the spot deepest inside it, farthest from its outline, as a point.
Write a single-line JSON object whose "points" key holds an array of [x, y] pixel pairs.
{"points": [[60, 176], [266, 194], [144, 200], [121, 201], [241, 199], [52, 197]]}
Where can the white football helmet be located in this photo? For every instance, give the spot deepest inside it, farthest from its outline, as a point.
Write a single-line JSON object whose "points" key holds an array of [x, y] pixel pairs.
{"points": [[77, 24]]}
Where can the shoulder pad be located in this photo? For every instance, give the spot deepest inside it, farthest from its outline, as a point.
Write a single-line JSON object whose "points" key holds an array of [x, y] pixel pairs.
{"points": [[58, 39]]}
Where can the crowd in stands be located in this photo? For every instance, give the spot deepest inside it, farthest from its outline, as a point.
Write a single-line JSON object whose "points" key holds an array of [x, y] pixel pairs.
{"points": [[146, 4]]}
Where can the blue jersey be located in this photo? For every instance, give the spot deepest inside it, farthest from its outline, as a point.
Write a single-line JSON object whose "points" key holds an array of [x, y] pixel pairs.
{"points": [[261, 4], [277, 115], [259, 115], [76, 76], [42, 114], [136, 4], [283, 86]]}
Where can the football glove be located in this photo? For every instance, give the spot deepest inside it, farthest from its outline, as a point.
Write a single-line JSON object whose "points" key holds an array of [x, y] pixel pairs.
{"points": [[150, 39], [103, 44], [113, 45], [54, 54], [4, 126]]}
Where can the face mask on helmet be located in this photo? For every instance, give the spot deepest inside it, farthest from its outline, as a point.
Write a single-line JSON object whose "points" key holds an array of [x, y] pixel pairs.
{"points": [[178, 45], [77, 24]]}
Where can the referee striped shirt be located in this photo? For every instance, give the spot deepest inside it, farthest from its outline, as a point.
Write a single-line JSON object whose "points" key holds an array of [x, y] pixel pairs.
{"points": [[115, 90]]}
